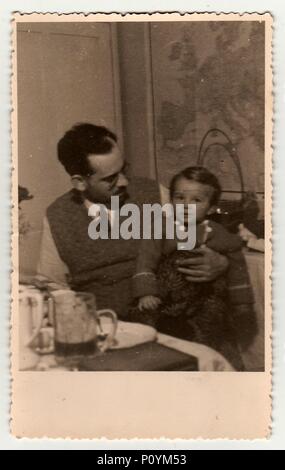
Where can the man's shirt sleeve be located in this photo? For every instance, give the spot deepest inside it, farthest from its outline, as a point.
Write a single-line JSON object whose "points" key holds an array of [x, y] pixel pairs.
{"points": [[50, 266]]}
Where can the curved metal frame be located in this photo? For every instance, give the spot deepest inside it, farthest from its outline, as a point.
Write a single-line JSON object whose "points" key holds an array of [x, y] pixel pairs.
{"points": [[229, 147]]}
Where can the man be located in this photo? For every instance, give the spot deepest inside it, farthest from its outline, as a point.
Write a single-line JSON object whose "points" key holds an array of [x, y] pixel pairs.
{"points": [[92, 158]]}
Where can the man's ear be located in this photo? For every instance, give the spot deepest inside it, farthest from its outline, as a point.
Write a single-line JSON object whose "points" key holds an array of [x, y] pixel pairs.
{"points": [[79, 183]]}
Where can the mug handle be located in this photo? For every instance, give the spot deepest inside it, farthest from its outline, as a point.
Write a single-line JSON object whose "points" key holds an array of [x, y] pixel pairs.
{"points": [[37, 297], [50, 303], [111, 335]]}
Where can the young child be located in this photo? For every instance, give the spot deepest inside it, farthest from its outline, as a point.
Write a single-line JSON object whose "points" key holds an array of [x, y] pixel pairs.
{"points": [[217, 313]]}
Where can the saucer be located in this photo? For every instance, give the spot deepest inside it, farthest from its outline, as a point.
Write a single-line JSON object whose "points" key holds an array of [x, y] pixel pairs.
{"points": [[130, 334]]}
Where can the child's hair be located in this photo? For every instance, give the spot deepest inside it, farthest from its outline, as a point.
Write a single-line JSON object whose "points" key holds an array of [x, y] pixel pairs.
{"points": [[201, 175]]}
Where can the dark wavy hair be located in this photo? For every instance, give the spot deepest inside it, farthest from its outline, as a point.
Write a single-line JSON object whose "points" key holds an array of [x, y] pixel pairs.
{"points": [[82, 140], [201, 175]]}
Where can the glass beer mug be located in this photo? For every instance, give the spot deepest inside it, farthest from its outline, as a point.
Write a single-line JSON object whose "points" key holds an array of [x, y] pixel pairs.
{"points": [[77, 326]]}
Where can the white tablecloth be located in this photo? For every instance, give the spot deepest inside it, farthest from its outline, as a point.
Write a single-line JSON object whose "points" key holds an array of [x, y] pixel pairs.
{"points": [[208, 359]]}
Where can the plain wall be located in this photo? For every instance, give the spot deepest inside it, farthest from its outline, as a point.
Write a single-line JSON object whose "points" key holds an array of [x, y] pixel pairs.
{"points": [[66, 74], [136, 97]]}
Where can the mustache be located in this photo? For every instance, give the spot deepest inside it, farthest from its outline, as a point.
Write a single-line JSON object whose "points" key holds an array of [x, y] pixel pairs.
{"points": [[123, 195], [121, 192]]}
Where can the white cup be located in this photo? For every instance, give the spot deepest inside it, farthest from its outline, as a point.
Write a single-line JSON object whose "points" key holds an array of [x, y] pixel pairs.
{"points": [[30, 324]]}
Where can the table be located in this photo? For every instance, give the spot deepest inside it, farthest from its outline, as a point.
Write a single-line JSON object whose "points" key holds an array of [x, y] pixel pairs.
{"points": [[208, 359]]}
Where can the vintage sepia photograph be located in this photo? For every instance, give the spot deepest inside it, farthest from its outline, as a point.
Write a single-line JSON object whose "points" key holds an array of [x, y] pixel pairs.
{"points": [[141, 191], [148, 112]]}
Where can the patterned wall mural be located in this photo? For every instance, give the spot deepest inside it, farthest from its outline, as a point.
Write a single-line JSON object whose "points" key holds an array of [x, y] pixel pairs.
{"points": [[209, 74]]}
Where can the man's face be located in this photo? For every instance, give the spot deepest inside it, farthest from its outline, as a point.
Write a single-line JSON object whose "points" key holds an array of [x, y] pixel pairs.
{"points": [[107, 177]]}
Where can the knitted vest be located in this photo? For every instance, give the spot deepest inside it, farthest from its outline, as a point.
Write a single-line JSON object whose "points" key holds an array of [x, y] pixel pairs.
{"points": [[104, 267]]}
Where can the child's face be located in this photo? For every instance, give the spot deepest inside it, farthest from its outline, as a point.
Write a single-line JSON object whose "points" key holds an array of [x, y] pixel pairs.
{"points": [[191, 192]]}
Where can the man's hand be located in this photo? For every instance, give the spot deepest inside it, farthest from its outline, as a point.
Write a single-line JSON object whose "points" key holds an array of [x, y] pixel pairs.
{"points": [[203, 268]]}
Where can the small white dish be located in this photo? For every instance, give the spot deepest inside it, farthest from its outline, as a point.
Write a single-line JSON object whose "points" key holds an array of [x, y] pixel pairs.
{"points": [[131, 334]]}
